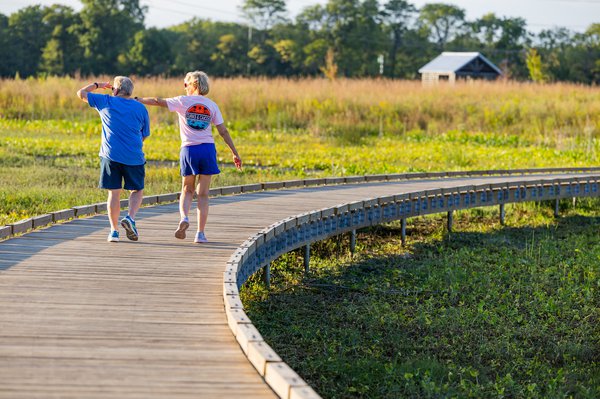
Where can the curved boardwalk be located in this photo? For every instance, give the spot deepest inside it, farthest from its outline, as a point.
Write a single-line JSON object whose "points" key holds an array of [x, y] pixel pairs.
{"points": [[83, 318]]}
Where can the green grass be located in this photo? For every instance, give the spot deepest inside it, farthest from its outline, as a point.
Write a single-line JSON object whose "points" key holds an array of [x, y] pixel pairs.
{"points": [[286, 129], [48, 165], [488, 311]]}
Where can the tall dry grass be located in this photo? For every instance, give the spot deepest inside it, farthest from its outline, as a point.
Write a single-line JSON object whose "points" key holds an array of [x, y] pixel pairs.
{"points": [[347, 108]]}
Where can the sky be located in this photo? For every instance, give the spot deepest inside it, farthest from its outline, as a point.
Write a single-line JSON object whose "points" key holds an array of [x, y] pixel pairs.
{"points": [[576, 15]]}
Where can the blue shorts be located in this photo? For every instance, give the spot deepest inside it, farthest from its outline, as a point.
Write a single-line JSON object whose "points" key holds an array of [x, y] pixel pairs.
{"points": [[198, 159], [112, 175]]}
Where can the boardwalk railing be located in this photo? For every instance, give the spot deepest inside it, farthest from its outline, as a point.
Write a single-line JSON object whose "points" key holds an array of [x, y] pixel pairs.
{"points": [[301, 230]]}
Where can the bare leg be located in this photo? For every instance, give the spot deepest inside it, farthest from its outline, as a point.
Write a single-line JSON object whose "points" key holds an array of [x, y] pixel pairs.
{"points": [[114, 208], [203, 187], [135, 201], [187, 195]]}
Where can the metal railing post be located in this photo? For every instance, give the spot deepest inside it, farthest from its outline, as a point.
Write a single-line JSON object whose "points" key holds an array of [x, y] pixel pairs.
{"points": [[450, 220], [502, 214], [268, 275], [352, 241], [307, 258], [403, 234]]}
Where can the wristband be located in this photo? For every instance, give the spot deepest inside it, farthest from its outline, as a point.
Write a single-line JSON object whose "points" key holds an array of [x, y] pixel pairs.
{"points": [[96, 84]]}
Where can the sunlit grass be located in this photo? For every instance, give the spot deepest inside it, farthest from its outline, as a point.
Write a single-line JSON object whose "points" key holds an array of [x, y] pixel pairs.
{"points": [[297, 128], [489, 311]]}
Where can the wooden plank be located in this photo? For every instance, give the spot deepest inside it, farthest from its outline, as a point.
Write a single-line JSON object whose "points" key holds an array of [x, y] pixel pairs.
{"points": [[282, 378], [21, 226], [64, 214], [42, 220], [85, 210], [5, 231]]}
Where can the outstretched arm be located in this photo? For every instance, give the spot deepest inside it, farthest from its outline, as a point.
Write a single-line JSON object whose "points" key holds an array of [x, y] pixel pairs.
{"points": [[227, 137], [157, 101], [83, 92]]}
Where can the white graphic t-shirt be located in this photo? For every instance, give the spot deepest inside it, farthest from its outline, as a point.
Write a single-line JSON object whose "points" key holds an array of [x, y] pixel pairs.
{"points": [[195, 113]]}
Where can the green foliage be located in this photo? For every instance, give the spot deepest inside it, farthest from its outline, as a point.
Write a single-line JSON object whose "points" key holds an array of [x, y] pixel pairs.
{"points": [[488, 311], [535, 67], [107, 29], [150, 54], [442, 21], [263, 14]]}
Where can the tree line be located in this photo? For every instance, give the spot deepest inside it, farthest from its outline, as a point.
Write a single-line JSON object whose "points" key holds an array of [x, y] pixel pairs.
{"points": [[350, 38]]}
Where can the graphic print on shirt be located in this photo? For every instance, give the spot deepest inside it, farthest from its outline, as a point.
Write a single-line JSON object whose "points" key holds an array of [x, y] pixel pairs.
{"points": [[198, 117]]}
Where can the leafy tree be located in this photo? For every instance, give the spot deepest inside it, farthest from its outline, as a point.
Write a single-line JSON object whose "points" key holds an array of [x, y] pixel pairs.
{"points": [[150, 54], [62, 53], [196, 42], [5, 69], [229, 56], [28, 35], [505, 40], [315, 53], [398, 15], [107, 29], [536, 69], [592, 39], [553, 46], [442, 21], [357, 36], [264, 14], [315, 27]]}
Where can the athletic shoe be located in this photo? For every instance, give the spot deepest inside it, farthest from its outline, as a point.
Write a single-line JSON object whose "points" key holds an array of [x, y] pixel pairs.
{"points": [[113, 236], [200, 238], [129, 225], [183, 226]]}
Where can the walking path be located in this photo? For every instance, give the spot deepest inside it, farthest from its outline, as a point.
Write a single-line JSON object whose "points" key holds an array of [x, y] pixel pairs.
{"points": [[83, 318]]}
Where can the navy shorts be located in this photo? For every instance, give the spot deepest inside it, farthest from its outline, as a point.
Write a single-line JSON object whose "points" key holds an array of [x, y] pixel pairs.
{"points": [[113, 174], [199, 159]]}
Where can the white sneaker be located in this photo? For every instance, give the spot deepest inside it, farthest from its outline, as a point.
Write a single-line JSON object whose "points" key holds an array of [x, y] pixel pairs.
{"points": [[113, 236], [200, 238]]}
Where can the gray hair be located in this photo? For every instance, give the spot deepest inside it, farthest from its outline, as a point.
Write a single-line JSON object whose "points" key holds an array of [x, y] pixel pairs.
{"points": [[124, 84], [199, 80]]}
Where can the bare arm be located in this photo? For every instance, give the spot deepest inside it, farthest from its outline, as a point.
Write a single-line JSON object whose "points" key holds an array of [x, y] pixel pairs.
{"points": [[157, 101], [83, 92], [227, 137]]}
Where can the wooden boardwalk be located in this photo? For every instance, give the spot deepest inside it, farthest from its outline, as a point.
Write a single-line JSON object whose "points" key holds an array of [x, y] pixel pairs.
{"points": [[83, 318]]}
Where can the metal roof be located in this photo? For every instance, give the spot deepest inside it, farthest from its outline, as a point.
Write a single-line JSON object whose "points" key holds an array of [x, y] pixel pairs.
{"points": [[453, 62]]}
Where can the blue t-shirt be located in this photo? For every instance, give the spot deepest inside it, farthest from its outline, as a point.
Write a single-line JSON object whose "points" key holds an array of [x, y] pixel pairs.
{"points": [[124, 123]]}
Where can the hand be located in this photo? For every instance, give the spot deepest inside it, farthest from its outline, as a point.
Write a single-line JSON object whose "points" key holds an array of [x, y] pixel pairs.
{"points": [[104, 85], [237, 161]]}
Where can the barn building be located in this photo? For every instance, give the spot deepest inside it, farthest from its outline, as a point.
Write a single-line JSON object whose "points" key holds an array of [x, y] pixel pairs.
{"points": [[452, 66]]}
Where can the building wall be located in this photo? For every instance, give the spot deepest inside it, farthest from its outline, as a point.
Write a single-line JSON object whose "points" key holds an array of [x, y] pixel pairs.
{"points": [[430, 79]]}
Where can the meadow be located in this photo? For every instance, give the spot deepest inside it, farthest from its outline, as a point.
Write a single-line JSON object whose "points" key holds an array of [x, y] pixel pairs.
{"points": [[488, 311], [289, 128]]}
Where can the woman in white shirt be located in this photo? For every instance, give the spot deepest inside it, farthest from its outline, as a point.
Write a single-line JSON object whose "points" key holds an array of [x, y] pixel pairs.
{"points": [[198, 155]]}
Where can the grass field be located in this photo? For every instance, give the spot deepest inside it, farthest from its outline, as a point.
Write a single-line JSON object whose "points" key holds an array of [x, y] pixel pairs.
{"points": [[288, 128], [488, 312]]}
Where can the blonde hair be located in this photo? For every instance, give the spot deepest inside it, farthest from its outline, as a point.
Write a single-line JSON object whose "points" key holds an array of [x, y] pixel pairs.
{"points": [[199, 80], [124, 85]]}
